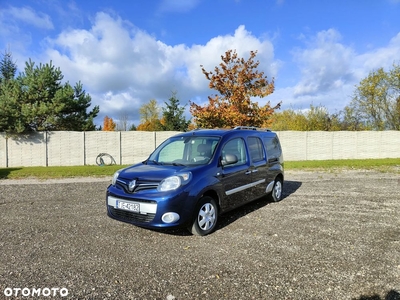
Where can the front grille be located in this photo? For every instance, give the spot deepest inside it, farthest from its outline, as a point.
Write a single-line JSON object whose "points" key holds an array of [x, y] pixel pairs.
{"points": [[139, 186], [131, 216]]}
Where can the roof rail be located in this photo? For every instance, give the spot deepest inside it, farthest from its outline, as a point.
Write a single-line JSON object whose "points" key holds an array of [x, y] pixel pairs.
{"points": [[250, 128], [245, 127]]}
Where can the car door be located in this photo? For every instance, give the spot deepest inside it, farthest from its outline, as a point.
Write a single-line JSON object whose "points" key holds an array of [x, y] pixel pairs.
{"points": [[259, 166], [274, 156], [235, 178]]}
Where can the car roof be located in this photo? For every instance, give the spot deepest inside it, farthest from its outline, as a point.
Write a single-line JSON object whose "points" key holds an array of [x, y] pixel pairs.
{"points": [[237, 131]]}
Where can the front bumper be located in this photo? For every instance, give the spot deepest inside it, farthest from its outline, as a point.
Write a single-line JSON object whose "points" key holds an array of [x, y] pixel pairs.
{"points": [[147, 210]]}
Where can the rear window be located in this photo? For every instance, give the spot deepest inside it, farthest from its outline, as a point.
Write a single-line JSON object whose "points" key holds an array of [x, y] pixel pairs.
{"points": [[273, 148], [256, 149]]}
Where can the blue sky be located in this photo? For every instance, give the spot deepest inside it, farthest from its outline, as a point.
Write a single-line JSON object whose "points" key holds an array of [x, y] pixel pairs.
{"points": [[126, 53]]}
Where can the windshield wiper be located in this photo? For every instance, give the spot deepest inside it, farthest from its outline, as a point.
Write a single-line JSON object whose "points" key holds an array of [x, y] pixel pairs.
{"points": [[146, 162]]}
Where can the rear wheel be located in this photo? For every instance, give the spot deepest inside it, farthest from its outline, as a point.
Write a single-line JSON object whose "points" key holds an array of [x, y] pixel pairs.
{"points": [[276, 194], [206, 217]]}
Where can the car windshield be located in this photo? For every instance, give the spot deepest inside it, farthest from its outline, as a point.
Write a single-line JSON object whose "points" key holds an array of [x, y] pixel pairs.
{"points": [[193, 150]]}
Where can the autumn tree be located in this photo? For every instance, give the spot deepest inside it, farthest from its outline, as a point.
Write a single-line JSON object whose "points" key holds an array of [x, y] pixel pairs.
{"points": [[173, 118], [314, 118], [236, 81], [149, 117], [288, 119], [317, 118], [376, 100], [108, 124], [352, 120]]}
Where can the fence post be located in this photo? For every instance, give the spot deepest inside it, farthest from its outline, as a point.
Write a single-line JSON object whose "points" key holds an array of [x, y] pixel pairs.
{"points": [[155, 140], [84, 148], [46, 148], [6, 151], [120, 147]]}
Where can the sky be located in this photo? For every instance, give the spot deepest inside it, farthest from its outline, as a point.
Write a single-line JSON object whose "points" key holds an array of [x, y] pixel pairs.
{"points": [[126, 53]]}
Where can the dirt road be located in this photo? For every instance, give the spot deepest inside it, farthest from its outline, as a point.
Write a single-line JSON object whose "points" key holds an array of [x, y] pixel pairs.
{"points": [[334, 236]]}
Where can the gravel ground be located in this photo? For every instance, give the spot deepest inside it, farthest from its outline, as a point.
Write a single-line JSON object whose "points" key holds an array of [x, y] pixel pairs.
{"points": [[335, 235]]}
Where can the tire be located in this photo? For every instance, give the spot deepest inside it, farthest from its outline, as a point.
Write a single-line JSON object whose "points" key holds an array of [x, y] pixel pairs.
{"points": [[205, 218], [276, 194]]}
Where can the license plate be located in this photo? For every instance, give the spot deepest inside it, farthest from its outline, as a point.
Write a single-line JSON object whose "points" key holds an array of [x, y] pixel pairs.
{"points": [[135, 207]]}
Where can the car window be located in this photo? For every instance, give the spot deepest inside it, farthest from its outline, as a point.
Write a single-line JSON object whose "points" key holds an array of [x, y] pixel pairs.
{"points": [[201, 149], [235, 146], [185, 150], [172, 152], [273, 148], [256, 149]]}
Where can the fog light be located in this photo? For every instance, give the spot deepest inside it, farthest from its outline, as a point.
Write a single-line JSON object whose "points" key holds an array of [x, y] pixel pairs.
{"points": [[170, 217]]}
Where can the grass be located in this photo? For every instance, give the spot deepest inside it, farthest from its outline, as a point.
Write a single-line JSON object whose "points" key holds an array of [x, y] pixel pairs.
{"points": [[58, 172], [381, 165]]}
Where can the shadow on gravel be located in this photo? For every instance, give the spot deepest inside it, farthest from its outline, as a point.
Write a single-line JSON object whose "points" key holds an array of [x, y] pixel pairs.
{"points": [[290, 187], [4, 172], [224, 220], [392, 295]]}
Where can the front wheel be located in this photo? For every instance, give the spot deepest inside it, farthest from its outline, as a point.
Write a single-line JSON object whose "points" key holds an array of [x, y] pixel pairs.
{"points": [[276, 194], [206, 217]]}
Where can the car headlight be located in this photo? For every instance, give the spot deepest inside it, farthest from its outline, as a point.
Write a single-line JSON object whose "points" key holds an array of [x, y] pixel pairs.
{"points": [[115, 176], [173, 182]]}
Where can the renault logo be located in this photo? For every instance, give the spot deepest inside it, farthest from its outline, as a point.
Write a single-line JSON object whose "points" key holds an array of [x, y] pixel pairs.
{"points": [[132, 185]]}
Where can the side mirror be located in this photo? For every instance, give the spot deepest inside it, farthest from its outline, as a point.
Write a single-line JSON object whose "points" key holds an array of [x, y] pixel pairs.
{"points": [[229, 159]]}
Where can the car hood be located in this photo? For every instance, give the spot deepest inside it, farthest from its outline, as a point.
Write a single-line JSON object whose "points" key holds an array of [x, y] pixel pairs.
{"points": [[151, 172]]}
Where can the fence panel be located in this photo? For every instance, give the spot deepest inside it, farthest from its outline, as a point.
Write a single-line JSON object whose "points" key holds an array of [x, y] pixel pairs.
{"points": [[97, 142], [65, 148], [344, 145], [68, 148], [136, 146], [319, 145], [390, 144], [293, 140], [27, 150]]}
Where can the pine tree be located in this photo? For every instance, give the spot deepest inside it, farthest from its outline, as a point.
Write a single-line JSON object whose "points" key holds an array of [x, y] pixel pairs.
{"points": [[8, 68], [173, 118], [38, 100]]}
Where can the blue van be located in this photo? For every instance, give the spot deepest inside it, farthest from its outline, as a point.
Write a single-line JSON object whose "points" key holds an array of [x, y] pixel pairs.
{"points": [[193, 177]]}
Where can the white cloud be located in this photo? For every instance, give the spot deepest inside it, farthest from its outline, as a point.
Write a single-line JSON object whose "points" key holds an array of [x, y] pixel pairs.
{"points": [[330, 70], [325, 64], [17, 24], [30, 17], [383, 57], [123, 67], [242, 41]]}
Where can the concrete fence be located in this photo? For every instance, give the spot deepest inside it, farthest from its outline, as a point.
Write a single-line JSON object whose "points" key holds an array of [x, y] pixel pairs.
{"points": [[71, 148]]}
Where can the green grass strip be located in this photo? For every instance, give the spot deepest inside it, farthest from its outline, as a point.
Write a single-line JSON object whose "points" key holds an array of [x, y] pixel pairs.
{"points": [[381, 165], [385, 164]]}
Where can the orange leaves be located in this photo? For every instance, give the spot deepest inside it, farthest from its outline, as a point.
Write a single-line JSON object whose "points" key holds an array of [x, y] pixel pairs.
{"points": [[236, 80], [108, 124]]}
